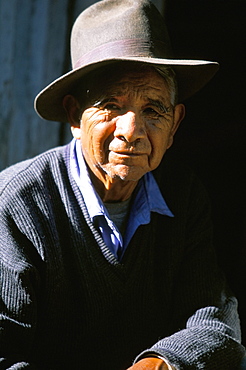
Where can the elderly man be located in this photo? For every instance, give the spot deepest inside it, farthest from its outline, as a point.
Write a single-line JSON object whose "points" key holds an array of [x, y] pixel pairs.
{"points": [[105, 248]]}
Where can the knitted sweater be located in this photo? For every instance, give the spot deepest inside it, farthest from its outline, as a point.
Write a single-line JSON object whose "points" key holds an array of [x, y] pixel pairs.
{"points": [[66, 303]]}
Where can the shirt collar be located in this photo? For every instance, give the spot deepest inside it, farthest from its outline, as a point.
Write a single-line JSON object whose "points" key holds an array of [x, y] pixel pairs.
{"points": [[79, 170], [149, 197]]}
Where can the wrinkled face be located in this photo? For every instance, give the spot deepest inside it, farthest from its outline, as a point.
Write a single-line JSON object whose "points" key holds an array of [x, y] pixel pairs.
{"points": [[128, 126]]}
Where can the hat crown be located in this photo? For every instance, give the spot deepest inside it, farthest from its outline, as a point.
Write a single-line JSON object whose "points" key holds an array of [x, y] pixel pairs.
{"points": [[114, 28], [112, 31]]}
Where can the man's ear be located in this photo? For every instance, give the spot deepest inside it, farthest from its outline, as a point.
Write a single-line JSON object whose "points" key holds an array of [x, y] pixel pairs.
{"points": [[72, 108], [178, 116]]}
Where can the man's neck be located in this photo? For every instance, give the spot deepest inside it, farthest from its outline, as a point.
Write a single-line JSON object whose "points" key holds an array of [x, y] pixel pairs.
{"points": [[113, 190]]}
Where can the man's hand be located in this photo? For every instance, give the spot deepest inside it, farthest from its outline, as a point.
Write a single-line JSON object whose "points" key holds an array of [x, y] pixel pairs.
{"points": [[149, 363]]}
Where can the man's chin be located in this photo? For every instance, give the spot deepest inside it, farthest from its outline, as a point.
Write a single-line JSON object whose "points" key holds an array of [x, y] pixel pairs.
{"points": [[125, 173]]}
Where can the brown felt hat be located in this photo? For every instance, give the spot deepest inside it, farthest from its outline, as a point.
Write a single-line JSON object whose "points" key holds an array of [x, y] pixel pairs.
{"points": [[120, 30]]}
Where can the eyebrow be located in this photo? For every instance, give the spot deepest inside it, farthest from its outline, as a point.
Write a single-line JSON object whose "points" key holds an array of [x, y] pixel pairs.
{"points": [[156, 103], [103, 100], [159, 105]]}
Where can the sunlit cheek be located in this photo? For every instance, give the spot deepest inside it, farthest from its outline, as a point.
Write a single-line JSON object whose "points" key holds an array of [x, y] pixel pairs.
{"points": [[99, 153], [97, 142]]}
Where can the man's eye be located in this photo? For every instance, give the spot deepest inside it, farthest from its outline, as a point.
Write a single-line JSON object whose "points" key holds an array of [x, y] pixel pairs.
{"points": [[151, 112], [112, 107]]}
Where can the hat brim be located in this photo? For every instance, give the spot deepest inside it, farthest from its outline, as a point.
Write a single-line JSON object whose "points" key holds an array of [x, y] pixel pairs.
{"points": [[191, 75]]}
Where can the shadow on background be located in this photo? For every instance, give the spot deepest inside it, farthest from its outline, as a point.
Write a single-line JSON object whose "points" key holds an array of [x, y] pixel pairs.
{"points": [[212, 139]]}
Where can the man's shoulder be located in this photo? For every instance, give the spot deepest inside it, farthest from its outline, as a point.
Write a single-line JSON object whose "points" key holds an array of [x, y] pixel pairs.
{"points": [[25, 172]]}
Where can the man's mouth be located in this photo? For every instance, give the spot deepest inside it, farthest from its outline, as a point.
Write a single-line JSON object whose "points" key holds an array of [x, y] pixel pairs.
{"points": [[131, 154]]}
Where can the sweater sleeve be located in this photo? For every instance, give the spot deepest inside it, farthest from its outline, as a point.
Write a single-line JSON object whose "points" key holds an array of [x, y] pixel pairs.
{"points": [[24, 230], [206, 311], [18, 305], [206, 342], [19, 284]]}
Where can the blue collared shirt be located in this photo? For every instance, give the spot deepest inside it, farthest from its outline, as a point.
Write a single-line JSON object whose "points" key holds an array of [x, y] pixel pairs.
{"points": [[148, 199]]}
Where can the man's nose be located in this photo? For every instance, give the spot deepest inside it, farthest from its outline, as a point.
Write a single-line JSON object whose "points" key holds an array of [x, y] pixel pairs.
{"points": [[130, 127]]}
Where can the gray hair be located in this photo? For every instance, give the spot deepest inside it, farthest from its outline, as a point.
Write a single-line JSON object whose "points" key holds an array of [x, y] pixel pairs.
{"points": [[169, 76]]}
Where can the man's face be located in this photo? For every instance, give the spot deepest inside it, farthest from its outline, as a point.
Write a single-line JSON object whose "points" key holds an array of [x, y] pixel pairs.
{"points": [[128, 126]]}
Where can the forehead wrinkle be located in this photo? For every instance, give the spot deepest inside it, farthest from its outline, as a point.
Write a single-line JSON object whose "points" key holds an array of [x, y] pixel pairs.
{"points": [[158, 103]]}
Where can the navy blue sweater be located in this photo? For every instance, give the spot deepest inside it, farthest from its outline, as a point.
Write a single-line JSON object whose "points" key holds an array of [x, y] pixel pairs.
{"points": [[66, 303]]}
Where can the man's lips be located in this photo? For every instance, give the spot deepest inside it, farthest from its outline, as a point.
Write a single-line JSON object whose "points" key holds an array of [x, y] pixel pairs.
{"points": [[132, 151], [127, 153]]}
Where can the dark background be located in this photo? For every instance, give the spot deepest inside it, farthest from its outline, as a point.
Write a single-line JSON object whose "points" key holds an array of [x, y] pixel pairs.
{"points": [[212, 139]]}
